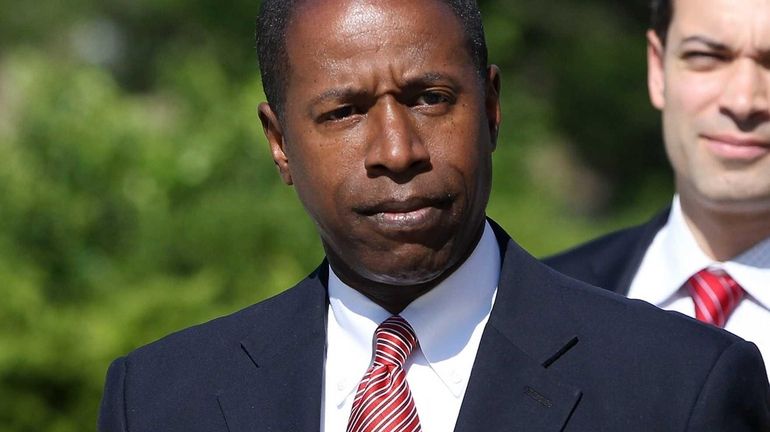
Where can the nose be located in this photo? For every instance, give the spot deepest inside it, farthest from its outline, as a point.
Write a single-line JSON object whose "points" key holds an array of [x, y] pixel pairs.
{"points": [[745, 97], [395, 147]]}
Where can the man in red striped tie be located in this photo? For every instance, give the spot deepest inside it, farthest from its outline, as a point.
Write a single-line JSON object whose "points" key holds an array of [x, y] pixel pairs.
{"points": [[708, 255], [425, 315]]}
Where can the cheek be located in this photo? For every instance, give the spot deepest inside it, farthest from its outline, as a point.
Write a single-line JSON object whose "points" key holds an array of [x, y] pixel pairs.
{"points": [[689, 94], [692, 107], [469, 156], [314, 176]]}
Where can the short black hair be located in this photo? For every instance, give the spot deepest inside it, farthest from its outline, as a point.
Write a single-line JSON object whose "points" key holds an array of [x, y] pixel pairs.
{"points": [[273, 22], [662, 12]]}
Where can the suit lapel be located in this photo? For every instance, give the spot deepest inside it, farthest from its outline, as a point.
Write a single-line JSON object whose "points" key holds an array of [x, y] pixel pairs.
{"points": [[283, 358], [512, 386], [633, 256], [509, 391]]}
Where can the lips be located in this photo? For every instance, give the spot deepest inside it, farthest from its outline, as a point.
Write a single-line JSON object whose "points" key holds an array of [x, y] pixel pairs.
{"points": [[414, 214], [738, 148], [402, 206]]}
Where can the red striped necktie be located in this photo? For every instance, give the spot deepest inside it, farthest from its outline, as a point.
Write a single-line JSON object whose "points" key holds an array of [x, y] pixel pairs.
{"points": [[383, 401], [715, 294]]}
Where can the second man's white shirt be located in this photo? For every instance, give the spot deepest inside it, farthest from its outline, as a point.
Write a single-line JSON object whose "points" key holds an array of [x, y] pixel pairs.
{"points": [[674, 256]]}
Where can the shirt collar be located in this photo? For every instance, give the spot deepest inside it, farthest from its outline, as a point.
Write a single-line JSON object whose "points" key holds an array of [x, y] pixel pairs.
{"points": [[751, 270], [677, 253], [443, 318]]}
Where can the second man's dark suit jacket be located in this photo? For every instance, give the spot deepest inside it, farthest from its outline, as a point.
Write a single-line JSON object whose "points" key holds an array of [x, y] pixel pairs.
{"points": [[610, 261], [556, 355]]}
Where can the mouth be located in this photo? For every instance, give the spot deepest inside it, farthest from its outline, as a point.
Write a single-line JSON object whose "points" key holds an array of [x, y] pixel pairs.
{"points": [[741, 148], [411, 214]]}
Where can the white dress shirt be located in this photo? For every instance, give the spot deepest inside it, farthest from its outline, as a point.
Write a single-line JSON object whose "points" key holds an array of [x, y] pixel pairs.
{"points": [[674, 256], [448, 321]]}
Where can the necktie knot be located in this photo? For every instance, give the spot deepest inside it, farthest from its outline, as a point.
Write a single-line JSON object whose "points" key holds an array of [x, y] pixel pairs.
{"points": [[394, 341], [715, 294]]}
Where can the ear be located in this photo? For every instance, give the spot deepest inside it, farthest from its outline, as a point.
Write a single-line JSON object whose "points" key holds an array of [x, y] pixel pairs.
{"points": [[656, 78], [271, 125], [492, 102]]}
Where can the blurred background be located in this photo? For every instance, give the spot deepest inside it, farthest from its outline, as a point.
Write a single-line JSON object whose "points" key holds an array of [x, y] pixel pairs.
{"points": [[138, 197]]}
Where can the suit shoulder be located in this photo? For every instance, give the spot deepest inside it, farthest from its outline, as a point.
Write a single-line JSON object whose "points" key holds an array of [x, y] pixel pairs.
{"points": [[174, 382], [675, 364], [581, 308], [637, 320], [604, 344], [223, 333]]}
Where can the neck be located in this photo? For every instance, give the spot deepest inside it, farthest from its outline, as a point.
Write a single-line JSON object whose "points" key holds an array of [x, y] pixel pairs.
{"points": [[724, 234], [395, 298]]}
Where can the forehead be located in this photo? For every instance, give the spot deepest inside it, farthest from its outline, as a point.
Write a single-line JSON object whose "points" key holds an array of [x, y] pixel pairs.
{"points": [[731, 21], [339, 30]]}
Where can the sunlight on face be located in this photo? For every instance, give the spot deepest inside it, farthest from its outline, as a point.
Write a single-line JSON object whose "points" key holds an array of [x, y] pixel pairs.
{"points": [[388, 137]]}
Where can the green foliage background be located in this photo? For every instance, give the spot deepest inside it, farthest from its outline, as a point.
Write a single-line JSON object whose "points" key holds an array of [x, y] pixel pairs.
{"points": [[137, 194]]}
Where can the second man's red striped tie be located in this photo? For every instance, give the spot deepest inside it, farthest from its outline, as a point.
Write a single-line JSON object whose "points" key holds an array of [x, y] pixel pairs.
{"points": [[383, 401], [715, 294]]}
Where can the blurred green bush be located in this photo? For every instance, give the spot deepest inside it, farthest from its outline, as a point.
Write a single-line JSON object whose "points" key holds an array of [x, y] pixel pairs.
{"points": [[126, 217], [137, 194]]}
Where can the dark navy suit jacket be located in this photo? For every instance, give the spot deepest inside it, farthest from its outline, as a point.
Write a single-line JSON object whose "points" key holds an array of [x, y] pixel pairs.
{"points": [[556, 355]]}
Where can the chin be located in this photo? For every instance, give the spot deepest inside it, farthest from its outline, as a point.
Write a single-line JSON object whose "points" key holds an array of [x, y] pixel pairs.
{"points": [[748, 205], [736, 200], [405, 278]]}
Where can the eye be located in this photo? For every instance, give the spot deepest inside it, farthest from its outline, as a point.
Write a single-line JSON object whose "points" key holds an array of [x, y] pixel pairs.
{"points": [[701, 60], [433, 98], [702, 54], [340, 113]]}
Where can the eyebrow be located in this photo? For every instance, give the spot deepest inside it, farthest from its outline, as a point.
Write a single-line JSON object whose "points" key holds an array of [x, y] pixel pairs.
{"points": [[712, 44], [350, 92], [335, 93], [430, 78]]}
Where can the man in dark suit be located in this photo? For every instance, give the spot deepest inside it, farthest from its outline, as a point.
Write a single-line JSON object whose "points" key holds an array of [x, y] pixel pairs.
{"points": [[383, 115], [708, 255]]}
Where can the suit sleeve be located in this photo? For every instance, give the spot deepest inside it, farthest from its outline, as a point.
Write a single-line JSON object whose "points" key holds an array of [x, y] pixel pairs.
{"points": [[112, 413], [735, 396]]}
